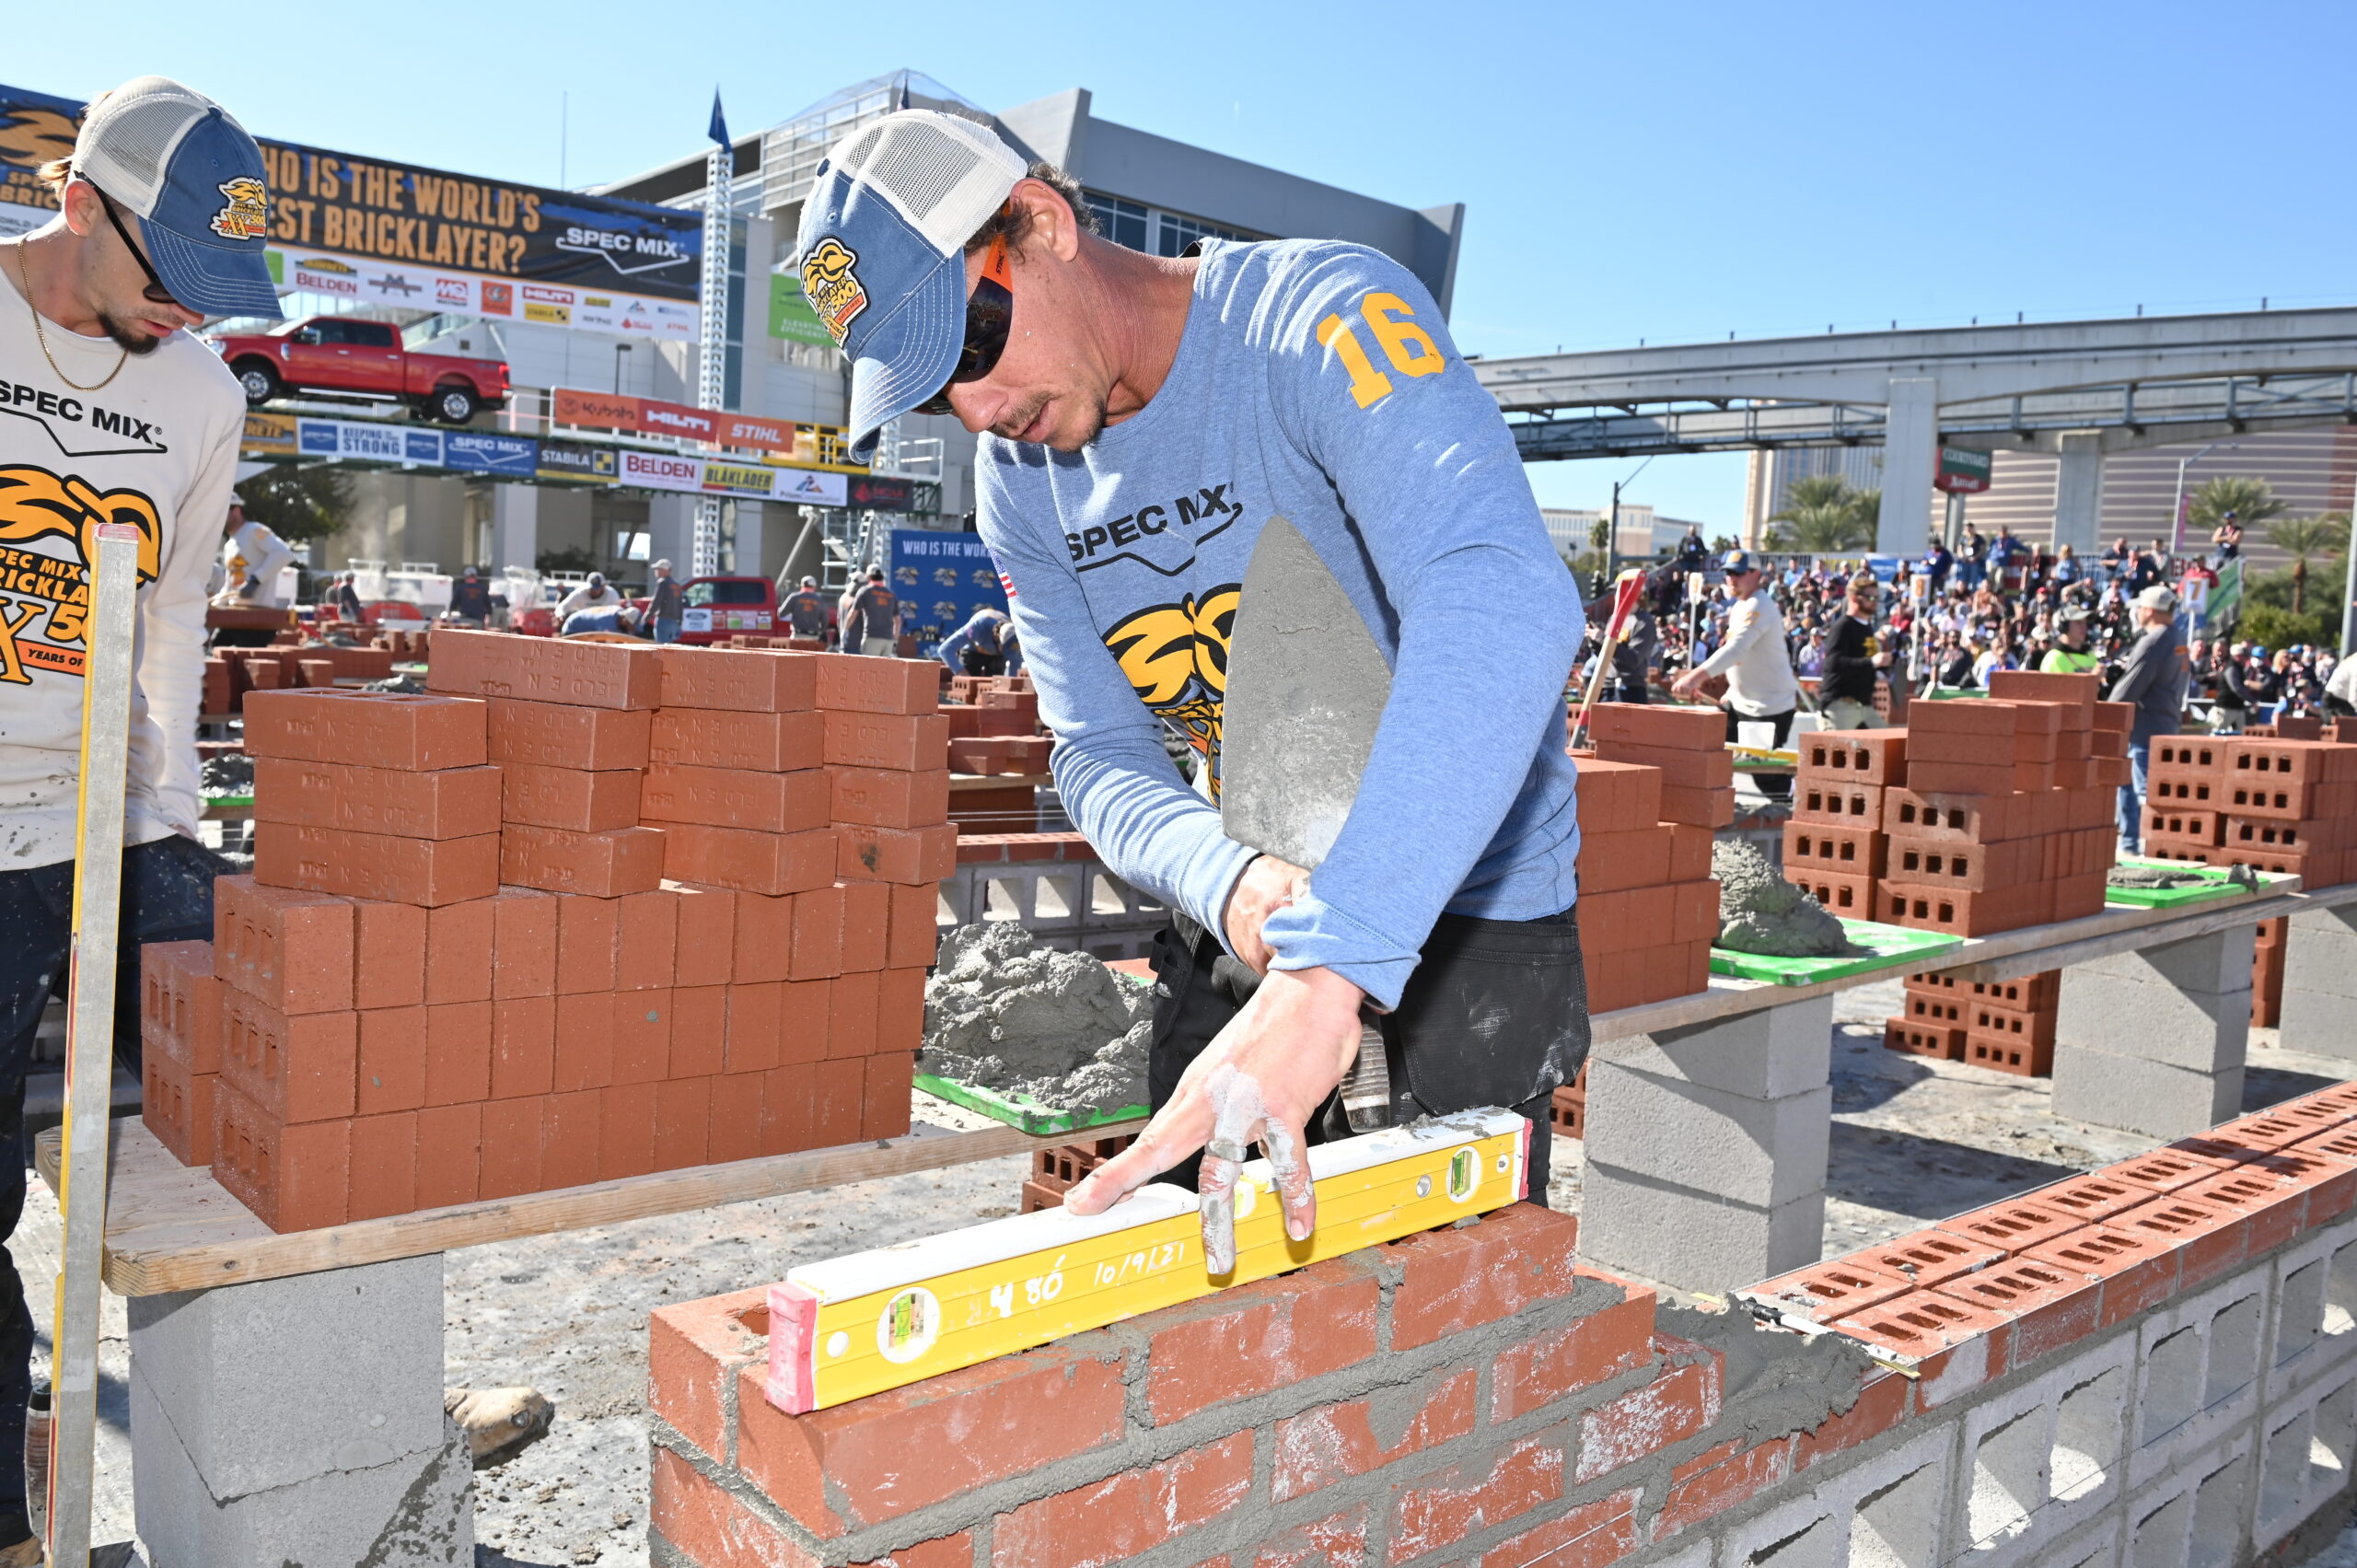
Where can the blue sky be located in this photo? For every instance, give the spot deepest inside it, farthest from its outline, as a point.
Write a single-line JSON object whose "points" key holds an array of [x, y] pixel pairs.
{"points": [[1666, 173]]}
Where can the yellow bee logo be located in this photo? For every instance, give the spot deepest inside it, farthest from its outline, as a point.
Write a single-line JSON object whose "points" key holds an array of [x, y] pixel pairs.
{"points": [[831, 287], [1175, 657], [247, 214]]}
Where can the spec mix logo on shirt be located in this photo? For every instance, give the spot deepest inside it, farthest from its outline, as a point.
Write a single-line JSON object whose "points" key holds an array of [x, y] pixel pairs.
{"points": [[36, 505]]}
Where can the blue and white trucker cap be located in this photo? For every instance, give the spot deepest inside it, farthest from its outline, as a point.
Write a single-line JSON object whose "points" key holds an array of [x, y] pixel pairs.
{"points": [[882, 254], [196, 181]]}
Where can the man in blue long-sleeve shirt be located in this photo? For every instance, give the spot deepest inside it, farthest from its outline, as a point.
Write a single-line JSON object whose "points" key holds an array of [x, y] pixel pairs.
{"points": [[1146, 417], [983, 645]]}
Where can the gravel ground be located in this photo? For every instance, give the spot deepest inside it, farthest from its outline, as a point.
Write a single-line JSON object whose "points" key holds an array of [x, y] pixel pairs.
{"points": [[1913, 1142]]}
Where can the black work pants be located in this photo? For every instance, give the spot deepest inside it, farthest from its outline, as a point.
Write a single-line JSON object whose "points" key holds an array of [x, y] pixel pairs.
{"points": [[1775, 786], [1496, 1014], [980, 663], [167, 897]]}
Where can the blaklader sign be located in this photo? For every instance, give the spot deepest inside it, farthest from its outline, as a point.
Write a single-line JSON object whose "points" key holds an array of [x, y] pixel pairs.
{"points": [[556, 256]]}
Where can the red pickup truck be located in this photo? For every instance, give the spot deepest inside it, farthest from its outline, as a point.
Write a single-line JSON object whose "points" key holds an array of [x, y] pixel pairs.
{"points": [[345, 357]]}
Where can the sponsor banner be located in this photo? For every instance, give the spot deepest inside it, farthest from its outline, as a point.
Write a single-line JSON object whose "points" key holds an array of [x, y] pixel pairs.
{"points": [[586, 465], [34, 128], [810, 487], [267, 433], [876, 493], [791, 318], [661, 471], [548, 305], [658, 418], [942, 579], [739, 478], [365, 442], [479, 451], [644, 416], [743, 430]]}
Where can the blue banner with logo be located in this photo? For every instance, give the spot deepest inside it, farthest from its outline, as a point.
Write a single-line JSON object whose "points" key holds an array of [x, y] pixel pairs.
{"points": [[363, 441], [942, 579], [479, 451]]}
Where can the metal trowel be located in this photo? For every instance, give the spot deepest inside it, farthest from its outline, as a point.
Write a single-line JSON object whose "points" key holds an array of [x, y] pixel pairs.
{"points": [[1306, 691]]}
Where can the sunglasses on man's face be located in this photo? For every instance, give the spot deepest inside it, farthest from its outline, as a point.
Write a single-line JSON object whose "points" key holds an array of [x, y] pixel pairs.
{"points": [[156, 292], [990, 315]]}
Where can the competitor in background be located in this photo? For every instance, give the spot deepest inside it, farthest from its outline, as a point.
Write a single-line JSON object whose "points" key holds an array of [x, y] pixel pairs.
{"points": [[984, 645]]}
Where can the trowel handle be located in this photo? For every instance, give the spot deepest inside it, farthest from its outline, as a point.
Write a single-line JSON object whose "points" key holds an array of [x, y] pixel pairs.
{"points": [[1366, 1087]]}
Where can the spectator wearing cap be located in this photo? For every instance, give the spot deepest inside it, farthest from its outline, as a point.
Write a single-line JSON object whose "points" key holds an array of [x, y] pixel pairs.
{"points": [[1755, 661], [471, 599], [1854, 661], [663, 604], [2072, 655], [593, 594], [160, 215], [806, 609], [2154, 679], [873, 626]]}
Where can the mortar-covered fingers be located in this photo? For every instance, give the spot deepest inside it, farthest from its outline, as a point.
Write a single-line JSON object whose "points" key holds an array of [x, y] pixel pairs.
{"points": [[1178, 1130]]}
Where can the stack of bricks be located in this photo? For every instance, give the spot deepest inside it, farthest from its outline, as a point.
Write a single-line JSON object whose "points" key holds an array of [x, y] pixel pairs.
{"points": [[2007, 815], [2268, 953], [1567, 1113], [2007, 1025], [1649, 907], [993, 724], [230, 673], [2269, 802], [1057, 1171], [179, 1036], [459, 971], [1834, 844]]}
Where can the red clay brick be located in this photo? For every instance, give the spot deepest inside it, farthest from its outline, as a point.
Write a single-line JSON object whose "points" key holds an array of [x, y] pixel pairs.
{"points": [[705, 1526], [646, 941], [856, 682], [1877, 757], [752, 680], [915, 937], [753, 1027], [181, 996], [698, 1030], [1617, 797], [384, 1166], [296, 1069], [764, 937], [838, 1102], [885, 1109], [573, 798], [707, 934], [867, 926], [387, 954], [1720, 1479], [806, 1011], [1460, 1279], [884, 797], [606, 865], [641, 1037], [390, 1069], [449, 803], [2016, 1225], [771, 864], [584, 1042], [1440, 1510], [851, 1014], [1709, 770], [1589, 1536], [625, 1132], [292, 950], [682, 1122], [694, 1352], [1336, 1441], [588, 936], [544, 669], [292, 1178], [904, 743], [1260, 1337], [522, 956], [817, 952], [1636, 858], [1675, 727], [1123, 1515], [1811, 848], [458, 1052], [375, 866], [1881, 1405], [555, 735], [896, 855], [899, 1010], [449, 1155], [1920, 1325], [569, 1124], [713, 737], [1702, 807], [458, 942], [1837, 803], [177, 1106], [523, 1046], [1583, 1353], [369, 729], [1678, 1402], [736, 1117], [907, 1448], [738, 797]]}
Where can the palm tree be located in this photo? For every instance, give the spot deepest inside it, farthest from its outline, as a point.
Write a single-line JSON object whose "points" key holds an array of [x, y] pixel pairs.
{"points": [[1824, 515], [2252, 501], [2304, 538]]}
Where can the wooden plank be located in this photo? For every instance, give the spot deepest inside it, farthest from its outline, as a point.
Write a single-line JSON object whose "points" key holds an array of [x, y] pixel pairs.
{"points": [[172, 1227]]}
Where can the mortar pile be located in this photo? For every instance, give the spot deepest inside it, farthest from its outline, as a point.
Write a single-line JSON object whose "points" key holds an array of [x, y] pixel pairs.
{"points": [[1003, 1013], [1760, 912]]}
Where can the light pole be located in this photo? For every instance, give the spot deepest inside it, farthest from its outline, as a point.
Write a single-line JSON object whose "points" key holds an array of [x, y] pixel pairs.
{"points": [[2176, 514], [622, 349]]}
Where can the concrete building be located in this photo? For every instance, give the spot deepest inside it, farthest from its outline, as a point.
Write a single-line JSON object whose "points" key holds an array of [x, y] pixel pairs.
{"points": [[1768, 484], [1641, 534]]}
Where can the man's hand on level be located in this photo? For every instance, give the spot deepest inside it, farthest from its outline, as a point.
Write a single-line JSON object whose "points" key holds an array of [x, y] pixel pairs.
{"points": [[1259, 1080], [1267, 886]]}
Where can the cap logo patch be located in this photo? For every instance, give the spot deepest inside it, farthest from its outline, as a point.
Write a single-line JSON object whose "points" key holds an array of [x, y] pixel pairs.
{"points": [[831, 287], [247, 214]]}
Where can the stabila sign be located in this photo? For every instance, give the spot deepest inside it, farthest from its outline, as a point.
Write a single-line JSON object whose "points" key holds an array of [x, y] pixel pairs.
{"points": [[1963, 471], [377, 211]]}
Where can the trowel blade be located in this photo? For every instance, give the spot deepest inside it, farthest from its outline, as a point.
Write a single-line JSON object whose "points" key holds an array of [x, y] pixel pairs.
{"points": [[1305, 689]]}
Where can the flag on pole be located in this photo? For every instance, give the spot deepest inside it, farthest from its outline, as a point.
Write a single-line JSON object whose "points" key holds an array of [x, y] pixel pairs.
{"points": [[718, 128]]}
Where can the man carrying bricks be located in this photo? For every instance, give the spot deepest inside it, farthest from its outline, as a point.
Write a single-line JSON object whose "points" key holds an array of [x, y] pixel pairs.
{"points": [[1148, 416], [123, 418], [1755, 660]]}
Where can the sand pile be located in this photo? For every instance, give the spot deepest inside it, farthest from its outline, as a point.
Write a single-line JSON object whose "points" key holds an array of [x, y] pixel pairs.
{"points": [[1760, 912], [1005, 1013]]}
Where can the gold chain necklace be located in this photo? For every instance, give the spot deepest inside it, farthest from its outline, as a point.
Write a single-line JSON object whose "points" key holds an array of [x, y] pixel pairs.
{"points": [[42, 337]]}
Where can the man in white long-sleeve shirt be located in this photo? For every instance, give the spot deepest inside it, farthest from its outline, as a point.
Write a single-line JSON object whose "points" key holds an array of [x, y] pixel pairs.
{"points": [[112, 413], [1758, 667]]}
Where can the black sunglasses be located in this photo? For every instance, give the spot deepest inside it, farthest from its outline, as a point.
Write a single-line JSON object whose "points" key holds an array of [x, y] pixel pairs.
{"points": [[990, 315], [155, 291]]}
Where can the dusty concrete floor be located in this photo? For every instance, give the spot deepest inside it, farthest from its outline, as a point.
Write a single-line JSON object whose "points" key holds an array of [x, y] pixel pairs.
{"points": [[1913, 1142]]}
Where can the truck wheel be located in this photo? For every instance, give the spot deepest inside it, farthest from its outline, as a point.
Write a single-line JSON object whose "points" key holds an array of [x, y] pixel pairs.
{"points": [[453, 404], [260, 381]]}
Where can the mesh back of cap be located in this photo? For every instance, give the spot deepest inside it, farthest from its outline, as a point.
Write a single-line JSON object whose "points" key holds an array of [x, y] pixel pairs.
{"points": [[128, 141], [944, 174]]}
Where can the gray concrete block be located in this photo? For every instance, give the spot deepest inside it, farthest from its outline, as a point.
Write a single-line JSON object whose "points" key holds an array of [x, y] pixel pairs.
{"points": [[2320, 954], [272, 1382], [1694, 1241], [2201, 1032], [2218, 962], [1764, 1151], [2136, 1094], [2317, 1023], [1767, 1054], [413, 1511]]}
